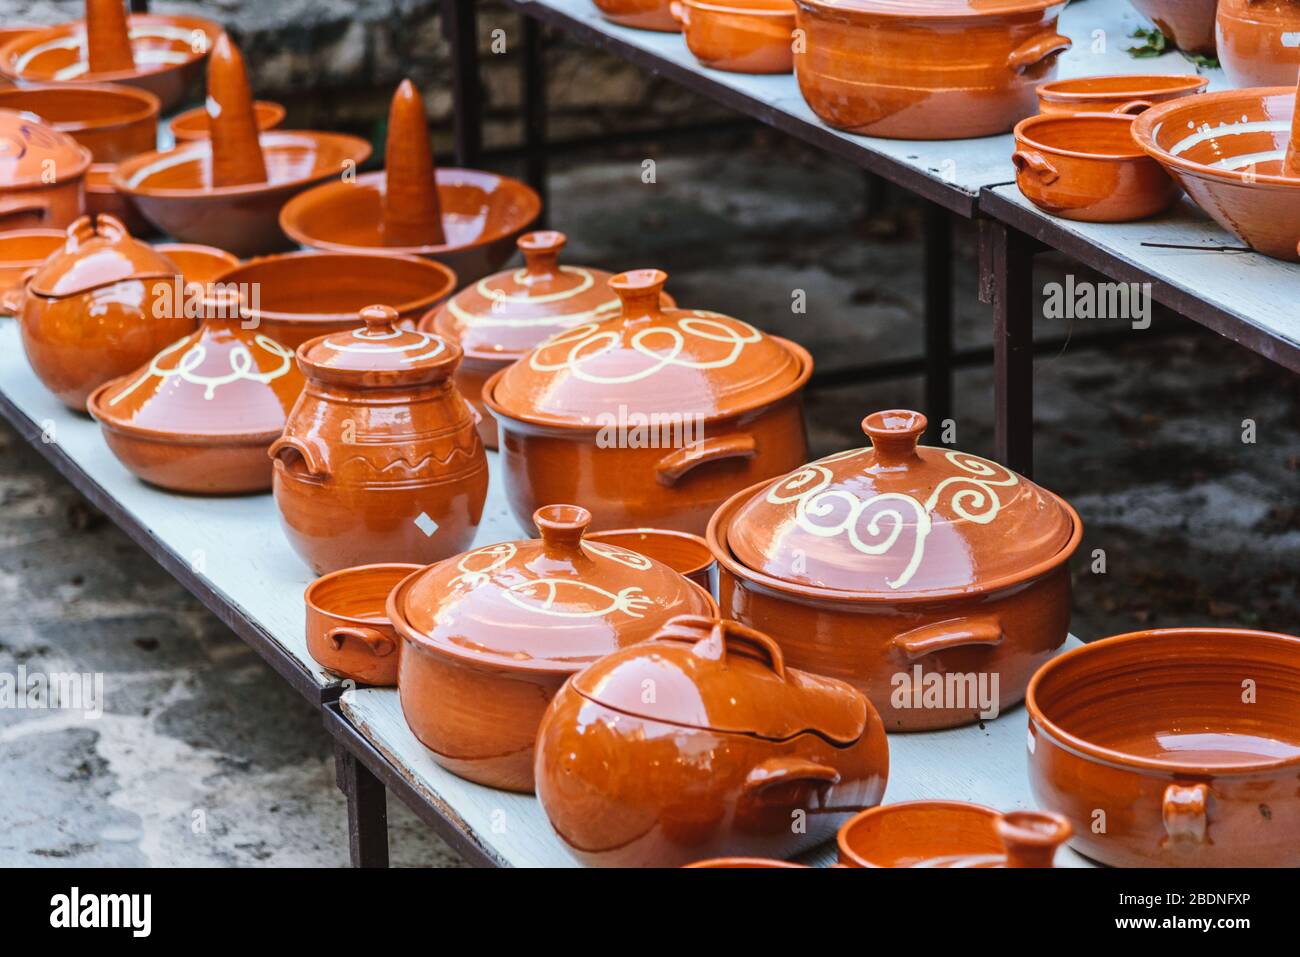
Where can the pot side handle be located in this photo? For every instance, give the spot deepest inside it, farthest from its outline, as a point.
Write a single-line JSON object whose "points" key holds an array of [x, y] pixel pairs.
{"points": [[299, 457], [679, 12], [670, 468], [1036, 51], [1133, 107], [375, 641], [11, 300], [1184, 810], [1035, 164], [787, 770], [943, 635], [16, 216]]}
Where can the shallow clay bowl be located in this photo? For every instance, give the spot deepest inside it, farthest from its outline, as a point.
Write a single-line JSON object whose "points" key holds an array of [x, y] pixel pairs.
{"points": [[641, 14], [1087, 166], [745, 862], [739, 36], [1188, 23], [1116, 94], [111, 121], [174, 190], [193, 124], [200, 264], [482, 216], [1226, 150], [1173, 748], [683, 552], [348, 630], [307, 294], [21, 250]]}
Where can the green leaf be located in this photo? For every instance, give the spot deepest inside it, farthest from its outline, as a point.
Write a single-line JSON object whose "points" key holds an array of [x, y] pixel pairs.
{"points": [[1153, 43]]}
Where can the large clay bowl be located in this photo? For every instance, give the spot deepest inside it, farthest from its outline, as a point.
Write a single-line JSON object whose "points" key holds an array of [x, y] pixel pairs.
{"points": [[683, 552], [112, 121], [1257, 42], [22, 250], [642, 14], [168, 61], [1226, 150], [1116, 94], [1188, 23], [193, 124], [1173, 748], [739, 36], [348, 630], [174, 190], [200, 264], [1087, 166], [482, 215], [298, 296]]}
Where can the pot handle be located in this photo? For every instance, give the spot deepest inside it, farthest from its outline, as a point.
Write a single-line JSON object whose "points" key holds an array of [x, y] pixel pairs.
{"points": [[680, 13], [943, 635], [788, 770], [1035, 164], [678, 462], [376, 642], [1184, 810], [714, 637], [289, 450], [1037, 50], [11, 300], [1133, 107], [1032, 837], [38, 211]]}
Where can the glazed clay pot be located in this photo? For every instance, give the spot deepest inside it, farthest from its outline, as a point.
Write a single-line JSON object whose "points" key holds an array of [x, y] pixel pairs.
{"points": [[950, 834], [28, 151], [98, 309], [683, 552], [933, 580], [1087, 166], [1257, 42], [490, 636], [380, 460], [730, 749], [113, 122], [1173, 748], [21, 252], [196, 125], [348, 630], [642, 14], [740, 36], [1188, 23], [653, 417], [1130, 95], [948, 69], [1227, 151]]}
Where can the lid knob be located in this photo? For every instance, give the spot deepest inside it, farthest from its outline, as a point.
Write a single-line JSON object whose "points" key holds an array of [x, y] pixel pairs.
{"points": [[380, 319], [712, 638], [894, 434], [1032, 837], [561, 526], [639, 291], [541, 252]]}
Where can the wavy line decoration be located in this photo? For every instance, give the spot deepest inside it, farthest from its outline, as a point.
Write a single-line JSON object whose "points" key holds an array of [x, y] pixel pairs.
{"points": [[541, 595], [242, 366]]}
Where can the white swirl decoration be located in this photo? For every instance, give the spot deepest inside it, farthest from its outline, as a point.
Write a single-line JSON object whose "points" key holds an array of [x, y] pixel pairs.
{"points": [[500, 300], [543, 595], [874, 526], [417, 346], [476, 567], [241, 362], [618, 554]]}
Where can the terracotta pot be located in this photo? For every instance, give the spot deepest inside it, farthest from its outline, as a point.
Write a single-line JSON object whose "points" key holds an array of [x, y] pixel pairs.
{"points": [[194, 124], [653, 417], [28, 150], [1116, 94], [113, 122], [498, 319], [490, 636], [905, 570], [1189, 24], [740, 36], [1226, 150], [98, 309], [201, 264], [950, 834], [1173, 748], [21, 252], [1087, 166], [380, 459], [948, 69], [102, 198], [683, 552], [746, 862], [200, 416], [642, 14], [1257, 42], [294, 297], [729, 749], [348, 630]]}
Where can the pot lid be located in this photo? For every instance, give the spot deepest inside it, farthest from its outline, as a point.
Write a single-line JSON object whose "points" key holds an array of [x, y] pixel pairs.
{"points": [[379, 354], [31, 153], [921, 9], [723, 676], [554, 603], [661, 361], [99, 253], [896, 518]]}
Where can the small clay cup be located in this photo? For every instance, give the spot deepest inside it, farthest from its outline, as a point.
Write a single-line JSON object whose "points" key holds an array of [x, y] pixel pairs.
{"points": [[348, 630]]}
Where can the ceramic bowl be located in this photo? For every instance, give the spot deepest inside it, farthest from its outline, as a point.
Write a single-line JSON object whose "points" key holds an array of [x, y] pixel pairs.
{"points": [[683, 552], [193, 124], [642, 14], [1257, 43], [111, 121], [21, 251], [739, 36], [102, 197], [348, 630], [950, 834], [1226, 150], [1188, 23], [1116, 94], [1173, 748], [746, 863], [1087, 166], [201, 264]]}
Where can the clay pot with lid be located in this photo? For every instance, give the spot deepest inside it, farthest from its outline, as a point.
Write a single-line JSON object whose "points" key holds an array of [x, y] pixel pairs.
{"points": [[933, 580], [29, 150], [939, 70], [1189, 24], [1257, 42], [946, 834], [499, 318], [380, 460], [99, 308], [653, 416], [739, 36], [642, 14], [491, 635], [730, 748]]}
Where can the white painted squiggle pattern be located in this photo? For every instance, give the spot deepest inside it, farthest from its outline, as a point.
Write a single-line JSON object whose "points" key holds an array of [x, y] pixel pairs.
{"points": [[476, 567], [617, 554], [542, 595], [500, 298], [366, 341], [242, 366]]}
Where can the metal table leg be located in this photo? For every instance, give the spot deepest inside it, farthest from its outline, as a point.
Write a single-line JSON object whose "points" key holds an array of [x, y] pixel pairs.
{"points": [[367, 810], [937, 236], [460, 26], [534, 98]]}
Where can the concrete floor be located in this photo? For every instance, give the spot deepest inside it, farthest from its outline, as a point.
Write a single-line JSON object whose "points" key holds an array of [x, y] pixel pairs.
{"points": [[203, 756]]}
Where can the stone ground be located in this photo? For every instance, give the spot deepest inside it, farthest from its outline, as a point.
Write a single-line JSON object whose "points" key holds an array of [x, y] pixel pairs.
{"points": [[1196, 525]]}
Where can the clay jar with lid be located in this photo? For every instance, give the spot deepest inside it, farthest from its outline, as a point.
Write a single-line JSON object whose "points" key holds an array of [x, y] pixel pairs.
{"points": [[98, 309], [933, 580], [499, 318], [491, 635], [380, 460], [1257, 42], [29, 150], [651, 417], [730, 748]]}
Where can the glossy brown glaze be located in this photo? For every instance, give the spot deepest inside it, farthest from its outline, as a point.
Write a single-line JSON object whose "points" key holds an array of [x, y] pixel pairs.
{"points": [[380, 459], [1257, 42], [108, 44], [1226, 150], [740, 36], [731, 747], [348, 630], [232, 126], [950, 69], [1189, 24], [1173, 748], [103, 198], [22, 251], [683, 552], [411, 214], [1116, 94], [491, 635], [950, 834], [193, 124], [29, 150], [1087, 166], [111, 121], [642, 14]]}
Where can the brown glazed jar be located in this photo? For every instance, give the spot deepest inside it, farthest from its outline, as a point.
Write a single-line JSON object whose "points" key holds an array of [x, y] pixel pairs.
{"points": [[380, 460]]}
